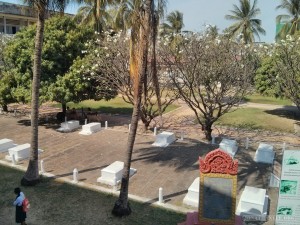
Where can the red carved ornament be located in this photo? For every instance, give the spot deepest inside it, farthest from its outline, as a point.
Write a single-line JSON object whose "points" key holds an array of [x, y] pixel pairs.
{"points": [[218, 161]]}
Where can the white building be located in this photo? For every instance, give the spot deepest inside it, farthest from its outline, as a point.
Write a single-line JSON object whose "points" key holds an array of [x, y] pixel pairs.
{"points": [[13, 17]]}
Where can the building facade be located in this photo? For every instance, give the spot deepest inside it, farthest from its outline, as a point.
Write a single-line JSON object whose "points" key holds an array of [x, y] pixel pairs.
{"points": [[13, 17]]}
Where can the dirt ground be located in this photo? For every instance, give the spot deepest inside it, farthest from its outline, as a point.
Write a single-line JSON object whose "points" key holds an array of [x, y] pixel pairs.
{"points": [[173, 168]]}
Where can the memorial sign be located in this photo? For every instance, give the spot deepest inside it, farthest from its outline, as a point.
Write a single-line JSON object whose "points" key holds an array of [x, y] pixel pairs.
{"points": [[218, 181], [288, 207]]}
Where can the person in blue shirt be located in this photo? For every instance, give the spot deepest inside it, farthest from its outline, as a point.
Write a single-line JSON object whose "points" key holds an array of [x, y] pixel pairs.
{"points": [[20, 214]]}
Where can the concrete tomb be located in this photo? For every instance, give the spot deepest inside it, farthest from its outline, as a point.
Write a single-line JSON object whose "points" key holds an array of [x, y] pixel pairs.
{"points": [[253, 204], [264, 154], [20, 152], [90, 128], [164, 139], [69, 126], [112, 174], [5, 144], [192, 197], [229, 146]]}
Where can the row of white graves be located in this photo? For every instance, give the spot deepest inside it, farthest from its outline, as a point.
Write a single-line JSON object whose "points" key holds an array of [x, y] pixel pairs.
{"points": [[86, 129], [15, 152]]}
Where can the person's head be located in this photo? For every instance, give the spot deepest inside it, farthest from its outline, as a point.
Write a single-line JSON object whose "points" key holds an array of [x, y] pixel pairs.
{"points": [[17, 191]]}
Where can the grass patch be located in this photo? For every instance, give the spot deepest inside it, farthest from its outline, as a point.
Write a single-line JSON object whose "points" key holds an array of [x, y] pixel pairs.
{"points": [[114, 106], [253, 118], [56, 203], [257, 98]]}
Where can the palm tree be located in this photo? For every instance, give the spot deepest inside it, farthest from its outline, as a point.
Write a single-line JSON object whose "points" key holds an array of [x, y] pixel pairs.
{"points": [[174, 23], [31, 176], [246, 24], [140, 33], [290, 21], [94, 12]]}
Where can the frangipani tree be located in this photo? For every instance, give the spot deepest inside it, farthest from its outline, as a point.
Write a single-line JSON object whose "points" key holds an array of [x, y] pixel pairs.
{"points": [[279, 72], [212, 75], [110, 63]]}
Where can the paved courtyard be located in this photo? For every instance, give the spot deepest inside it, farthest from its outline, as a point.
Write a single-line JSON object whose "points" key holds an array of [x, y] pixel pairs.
{"points": [[173, 168]]}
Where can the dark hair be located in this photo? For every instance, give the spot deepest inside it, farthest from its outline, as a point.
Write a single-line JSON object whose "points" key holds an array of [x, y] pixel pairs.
{"points": [[17, 191]]}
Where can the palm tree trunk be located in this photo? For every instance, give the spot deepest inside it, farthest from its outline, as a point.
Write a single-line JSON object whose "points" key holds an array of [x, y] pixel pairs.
{"points": [[121, 207], [98, 16], [31, 176], [154, 66]]}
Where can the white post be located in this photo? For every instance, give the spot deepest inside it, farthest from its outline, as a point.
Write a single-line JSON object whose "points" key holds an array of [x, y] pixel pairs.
{"points": [[75, 175], [13, 159], [42, 167], [0, 110], [106, 124], [283, 147], [155, 131], [129, 127], [213, 140], [181, 136], [160, 196], [15, 112], [85, 121], [66, 120], [247, 143], [100, 125]]}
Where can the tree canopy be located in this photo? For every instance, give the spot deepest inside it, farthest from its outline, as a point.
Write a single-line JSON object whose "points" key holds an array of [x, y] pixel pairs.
{"points": [[63, 43], [290, 21], [211, 74], [246, 24]]}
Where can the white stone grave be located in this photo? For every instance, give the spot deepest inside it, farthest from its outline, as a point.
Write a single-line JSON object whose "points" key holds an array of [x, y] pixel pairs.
{"points": [[5, 144], [112, 174], [20, 152], [253, 204], [90, 128], [264, 154], [69, 126], [164, 139], [192, 197], [229, 146]]}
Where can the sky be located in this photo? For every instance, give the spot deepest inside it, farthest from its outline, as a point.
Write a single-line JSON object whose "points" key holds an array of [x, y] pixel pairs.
{"points": [[198, 13]]}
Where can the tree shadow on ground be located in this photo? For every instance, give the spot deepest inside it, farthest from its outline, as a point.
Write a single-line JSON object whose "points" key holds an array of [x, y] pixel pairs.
{"points": [[289, 112], [182, 155]]}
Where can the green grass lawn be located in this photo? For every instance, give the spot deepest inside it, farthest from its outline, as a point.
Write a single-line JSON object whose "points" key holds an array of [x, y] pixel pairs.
{"points": [[253, 118], [56, 203], [116, 105], [257, 98]]}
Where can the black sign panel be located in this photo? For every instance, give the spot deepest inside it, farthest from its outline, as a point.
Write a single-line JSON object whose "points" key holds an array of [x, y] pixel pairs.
{"points": [[217, 198]]}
